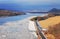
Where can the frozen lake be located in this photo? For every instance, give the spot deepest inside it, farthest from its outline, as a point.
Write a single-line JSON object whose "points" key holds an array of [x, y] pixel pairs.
{"points": [[16, 27]]}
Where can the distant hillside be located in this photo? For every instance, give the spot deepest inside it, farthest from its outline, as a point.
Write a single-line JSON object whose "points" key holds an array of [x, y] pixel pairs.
{"points": [[10, 13], [54, 10]]}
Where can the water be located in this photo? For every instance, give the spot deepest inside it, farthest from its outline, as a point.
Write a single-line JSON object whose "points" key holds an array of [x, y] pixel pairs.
{"points": [[16, 18]]}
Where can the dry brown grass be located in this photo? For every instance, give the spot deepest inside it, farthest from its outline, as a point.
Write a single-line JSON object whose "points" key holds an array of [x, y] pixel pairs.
{"points": [[53, 26], [55, 30], [50, 21]]}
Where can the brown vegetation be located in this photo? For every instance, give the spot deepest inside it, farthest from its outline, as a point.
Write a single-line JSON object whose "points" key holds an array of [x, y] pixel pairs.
{"points": [[52, 25], [53, 32], [50, 21]]}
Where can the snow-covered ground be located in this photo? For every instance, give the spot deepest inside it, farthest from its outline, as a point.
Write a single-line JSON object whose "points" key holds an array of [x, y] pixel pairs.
{"points": [[16, 30]]}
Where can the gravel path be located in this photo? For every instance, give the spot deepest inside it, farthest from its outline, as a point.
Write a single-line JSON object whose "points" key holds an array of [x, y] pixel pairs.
{"points": [[16, 30]]}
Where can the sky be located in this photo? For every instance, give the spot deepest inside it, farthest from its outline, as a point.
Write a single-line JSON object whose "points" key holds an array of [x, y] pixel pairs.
{"points": [[32, 4]]}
